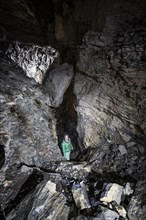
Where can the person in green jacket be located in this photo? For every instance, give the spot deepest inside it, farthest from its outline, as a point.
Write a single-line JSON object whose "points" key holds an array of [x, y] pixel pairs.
{"points": [[66, 147]]}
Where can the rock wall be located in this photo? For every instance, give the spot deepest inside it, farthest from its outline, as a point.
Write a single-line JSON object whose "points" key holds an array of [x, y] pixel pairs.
{"points": [[28, 127], [111, 79], [18, 22], [100, 102]]}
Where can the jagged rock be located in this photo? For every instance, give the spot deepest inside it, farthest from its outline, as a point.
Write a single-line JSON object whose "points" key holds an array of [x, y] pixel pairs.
{"points": [[107, 214], [28, 131], [113, 192], [18, 185], [127, 190], [107, 103], [41, 202], [49, 204], [33, 59], [74, 170], [57, 83], [107, 83], [122, 149], [109, 88], [80, 217], [80, 196], [132, 217], [131, 144], [137, 206], [119, 209]]}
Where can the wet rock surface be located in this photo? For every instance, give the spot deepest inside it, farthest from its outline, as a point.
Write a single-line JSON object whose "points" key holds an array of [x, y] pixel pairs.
{"points": [[94, 92]]}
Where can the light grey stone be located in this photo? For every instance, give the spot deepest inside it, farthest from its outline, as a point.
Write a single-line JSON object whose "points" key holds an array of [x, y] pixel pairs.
{"points": [[49, 204], [57, 83], [107, 214], [80, 196], [112, 192], [122, 149], [127, 190], [33, 59], [130, 144], [119, 209]]}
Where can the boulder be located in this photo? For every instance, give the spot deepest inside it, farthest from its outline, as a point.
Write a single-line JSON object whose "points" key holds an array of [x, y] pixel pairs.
{"points": [[28, 127], [44, 201], [80, 196], [119, 209], [127, 190], [137, 205], [49, 203], [122, 149], [107, 214], [112, 192], [57, 83], [74, 170]]}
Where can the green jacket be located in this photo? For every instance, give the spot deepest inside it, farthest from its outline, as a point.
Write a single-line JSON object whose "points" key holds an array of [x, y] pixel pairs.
{"points": [[66, 146]]}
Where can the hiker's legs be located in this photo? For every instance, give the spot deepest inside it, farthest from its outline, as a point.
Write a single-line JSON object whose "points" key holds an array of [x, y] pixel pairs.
{"points": [[67, 155]]}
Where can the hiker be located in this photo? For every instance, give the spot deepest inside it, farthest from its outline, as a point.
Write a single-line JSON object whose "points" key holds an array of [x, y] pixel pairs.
{"points": [[66, 147]]}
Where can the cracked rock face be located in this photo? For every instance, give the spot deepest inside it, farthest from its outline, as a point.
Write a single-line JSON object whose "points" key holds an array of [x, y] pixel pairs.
{"points": [[19, 22], [28, 129], [110, 89], [113, 192], [33, 59], [48, 193], [94, 91]]}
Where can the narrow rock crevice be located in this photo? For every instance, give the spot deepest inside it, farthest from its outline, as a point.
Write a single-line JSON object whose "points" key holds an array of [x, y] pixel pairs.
{"points": [[91, 87], [2, 214], [2, 155], [67, 121]]}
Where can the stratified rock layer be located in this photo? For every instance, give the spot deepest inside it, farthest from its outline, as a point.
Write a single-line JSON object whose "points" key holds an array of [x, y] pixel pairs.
{"points": [[107, 92], [111, 80]]}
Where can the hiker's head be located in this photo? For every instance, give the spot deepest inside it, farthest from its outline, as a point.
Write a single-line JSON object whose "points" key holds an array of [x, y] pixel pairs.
{"points": [[66, 137]]}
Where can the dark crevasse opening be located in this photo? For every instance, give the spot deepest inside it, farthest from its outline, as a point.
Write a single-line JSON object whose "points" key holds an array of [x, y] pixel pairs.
{"points": [[2, 155], [67, 122], [2, 215]]}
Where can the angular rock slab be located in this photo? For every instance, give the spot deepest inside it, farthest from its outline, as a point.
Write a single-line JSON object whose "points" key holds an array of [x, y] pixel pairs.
{"points": [[49, 204], [113, 192], [80, 196], [122, 149], [74, 170], [57, 83], [128, 190], [107, 214], [137, 206]]}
